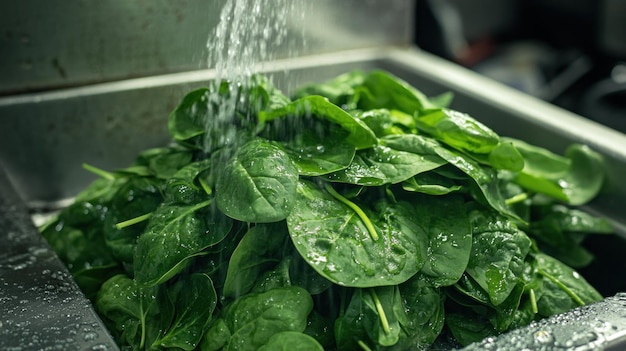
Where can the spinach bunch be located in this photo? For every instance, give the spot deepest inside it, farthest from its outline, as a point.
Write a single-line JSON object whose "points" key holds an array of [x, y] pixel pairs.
{"points": [[358, 214]]}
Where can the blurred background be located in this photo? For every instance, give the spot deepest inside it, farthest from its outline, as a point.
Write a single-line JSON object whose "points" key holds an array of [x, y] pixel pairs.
{"points": [[569, 52]]}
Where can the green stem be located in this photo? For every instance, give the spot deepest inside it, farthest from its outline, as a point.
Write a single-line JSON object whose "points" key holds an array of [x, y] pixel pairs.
{"points": [[563, 287], [381, 312], [533, 301], [515, 199], [132, 221], [355, 208], [99, 172], [363, 345], [205, 186]]}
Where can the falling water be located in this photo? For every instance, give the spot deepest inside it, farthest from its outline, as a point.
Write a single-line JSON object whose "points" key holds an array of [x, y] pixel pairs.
{"points": [[249, 33]]}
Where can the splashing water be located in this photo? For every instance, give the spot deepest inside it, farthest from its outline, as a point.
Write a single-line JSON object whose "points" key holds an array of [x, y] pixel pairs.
{"points": [[249, 33]]}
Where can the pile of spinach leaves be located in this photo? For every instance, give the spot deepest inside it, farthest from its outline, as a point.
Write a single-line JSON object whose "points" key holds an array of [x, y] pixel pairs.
{"points": [[358, 214]]}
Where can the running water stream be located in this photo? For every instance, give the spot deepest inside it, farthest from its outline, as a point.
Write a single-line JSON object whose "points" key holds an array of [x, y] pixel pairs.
{"points": [[248, 34]]}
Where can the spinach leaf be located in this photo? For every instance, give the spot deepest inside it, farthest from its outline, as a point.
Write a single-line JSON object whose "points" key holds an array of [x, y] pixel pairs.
{"points": [[561, 231], [163, 162], [253, 319], [291, 341], [188, 120], [359, 134], [574, 179], [216, 336], [138, 196], [339, 246], [497, 256], [468, 328], [258, 184], [259, 250], [484, 179], [349, 328], [420, 313], [137, 316], [316, 146], [341, 90], [186, 186], [174, 235], [458, 130], [382, 165], [563, 288], [447, 225], [387, 122], [194, 299], [390, 92], [431, 183]]}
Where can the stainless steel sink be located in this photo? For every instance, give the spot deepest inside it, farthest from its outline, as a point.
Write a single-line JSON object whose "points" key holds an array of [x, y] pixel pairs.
{"points": [[45, 137]]}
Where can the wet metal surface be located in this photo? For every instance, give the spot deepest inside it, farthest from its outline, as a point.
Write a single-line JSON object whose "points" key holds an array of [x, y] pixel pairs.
{"points": [[41, 308]]}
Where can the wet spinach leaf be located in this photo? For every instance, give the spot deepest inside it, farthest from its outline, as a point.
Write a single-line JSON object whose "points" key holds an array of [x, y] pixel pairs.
{"points": [[339, 246], [575, 178], [175, 235], [194, 300], [359, 133], [258, 251], [258, 184], [382, 165], [253, 319], [291, 341], [497, 256], [458, 130]]}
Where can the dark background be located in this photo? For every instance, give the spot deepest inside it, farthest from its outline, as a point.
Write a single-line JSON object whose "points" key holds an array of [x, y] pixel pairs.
{"points": [[568, 52]]}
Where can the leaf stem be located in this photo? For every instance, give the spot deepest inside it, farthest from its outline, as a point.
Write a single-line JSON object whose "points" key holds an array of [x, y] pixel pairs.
{"points": [[132, 221], [205, 186], [381, 312], [563, 287], [355, 208], [533, 301], [363, 346], [99, 172], [515, 199]]}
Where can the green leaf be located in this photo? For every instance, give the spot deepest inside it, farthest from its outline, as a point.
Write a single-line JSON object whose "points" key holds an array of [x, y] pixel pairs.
{"points": [[136, 316], [459, 130], [385, 122], [359, 134], [431, 183], [174, 236], [315, 147], [253, 319], [194, 298], [188, 119], [337, 244], [574, 179], [560, 231], [390, 92], [497, 256], [216, 337], [421, 312], [138, 196], [184, 186], [291, 341], [485, 179], [258, 184], [447, 225], [382, 165], [164, 162], [341, 90], [258, 251], [563, 288], [469, 328]]}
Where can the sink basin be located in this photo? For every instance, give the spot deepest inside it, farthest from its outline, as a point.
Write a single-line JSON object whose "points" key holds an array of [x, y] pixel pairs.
{"points": [[45, 137]]}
